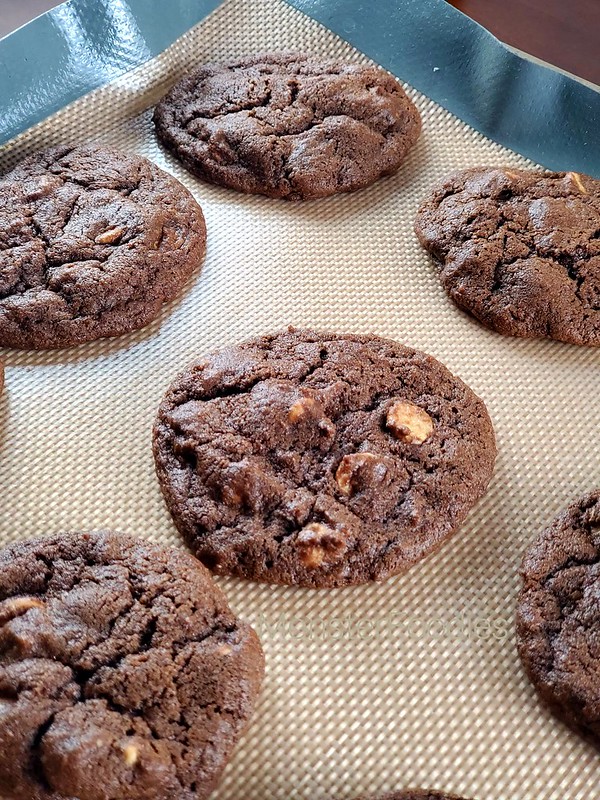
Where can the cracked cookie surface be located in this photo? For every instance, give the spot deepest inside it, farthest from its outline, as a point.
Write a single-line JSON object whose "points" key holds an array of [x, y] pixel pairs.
{"points": [[92, 243], [287, 125], [320, 459], [520, 250], [124, 675], [558, 616]]}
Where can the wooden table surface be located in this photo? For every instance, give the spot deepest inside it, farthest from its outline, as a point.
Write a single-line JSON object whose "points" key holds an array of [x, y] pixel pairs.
{"points": [[565, 33]]}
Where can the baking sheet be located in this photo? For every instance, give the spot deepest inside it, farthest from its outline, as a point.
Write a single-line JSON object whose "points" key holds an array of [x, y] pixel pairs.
{"points": [[413, 682]]}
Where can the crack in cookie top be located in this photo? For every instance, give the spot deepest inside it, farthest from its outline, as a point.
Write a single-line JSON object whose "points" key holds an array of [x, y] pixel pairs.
{"points": [[558, 615], [320, 459], [123, 673], [288, 125], [520, 250], [92, 243]]}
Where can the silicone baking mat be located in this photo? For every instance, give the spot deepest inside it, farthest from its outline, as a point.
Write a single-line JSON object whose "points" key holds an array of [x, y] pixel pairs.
{"points": [[412, 682]]}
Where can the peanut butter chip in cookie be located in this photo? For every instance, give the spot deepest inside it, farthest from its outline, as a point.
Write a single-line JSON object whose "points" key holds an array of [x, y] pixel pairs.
{"points": [[409, 422], [110, 236], [131, 755], [352, 466], [301, 409], [319, 544], [15, 607], [576, 179]]}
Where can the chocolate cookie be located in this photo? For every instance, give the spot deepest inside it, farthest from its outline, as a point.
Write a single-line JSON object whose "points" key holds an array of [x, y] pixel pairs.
{"points": [[519, 250], [320, 459], [287, 125], [123, 673], [92, 243], [558, 616]]}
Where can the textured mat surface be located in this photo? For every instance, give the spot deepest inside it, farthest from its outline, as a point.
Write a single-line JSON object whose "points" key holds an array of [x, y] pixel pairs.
{"points": [[415, 681]]}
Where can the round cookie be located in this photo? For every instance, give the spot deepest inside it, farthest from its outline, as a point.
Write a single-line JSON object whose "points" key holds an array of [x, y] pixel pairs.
{"points": [[92, 243], [320, 459], [558, 616], [124, 675], [520, 250], [288, 125]]}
